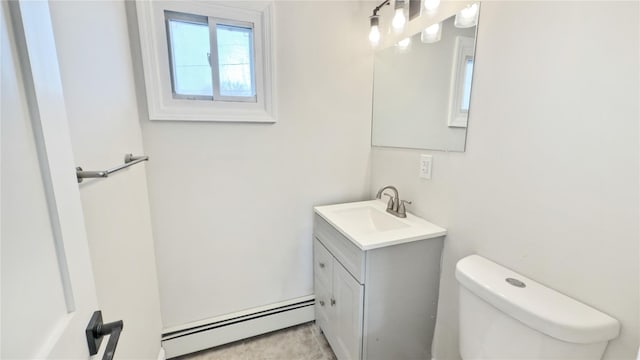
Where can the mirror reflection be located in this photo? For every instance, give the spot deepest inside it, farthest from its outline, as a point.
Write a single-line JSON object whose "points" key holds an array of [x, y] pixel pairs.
{"points": [[422, 88]]}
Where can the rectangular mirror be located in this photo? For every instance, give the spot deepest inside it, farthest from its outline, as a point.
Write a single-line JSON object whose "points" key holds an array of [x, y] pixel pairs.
{"points": [[422, 91]]}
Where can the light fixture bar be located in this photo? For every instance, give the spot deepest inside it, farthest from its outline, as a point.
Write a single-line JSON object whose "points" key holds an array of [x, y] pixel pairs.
{"points": [[377, 8]]}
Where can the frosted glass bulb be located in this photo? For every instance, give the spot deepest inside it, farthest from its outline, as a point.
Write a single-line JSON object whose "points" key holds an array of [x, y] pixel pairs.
{"points": [[431, 5], [433, 29], [374, 35], [431, 34], [399, 20], [404, 43], [467, 17], [470, 11]]}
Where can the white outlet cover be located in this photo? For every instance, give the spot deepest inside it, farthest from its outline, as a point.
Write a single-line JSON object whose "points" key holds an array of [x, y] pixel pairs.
{"points": [[426, 162]]}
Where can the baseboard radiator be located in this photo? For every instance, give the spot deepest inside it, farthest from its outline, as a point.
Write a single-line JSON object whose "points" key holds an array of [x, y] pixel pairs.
{"points": [[236, 327]]}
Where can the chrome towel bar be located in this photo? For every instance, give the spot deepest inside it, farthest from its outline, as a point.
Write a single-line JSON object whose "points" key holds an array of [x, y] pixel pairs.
{"points": [[129, 160]]}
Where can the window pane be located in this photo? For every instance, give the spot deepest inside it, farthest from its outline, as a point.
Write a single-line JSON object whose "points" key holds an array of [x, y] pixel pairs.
{"points": [[190, 58], [466, 86], [235, 59]]}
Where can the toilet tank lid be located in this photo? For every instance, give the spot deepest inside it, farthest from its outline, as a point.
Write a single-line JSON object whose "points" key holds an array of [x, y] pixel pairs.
{"points": [[536, 305]]}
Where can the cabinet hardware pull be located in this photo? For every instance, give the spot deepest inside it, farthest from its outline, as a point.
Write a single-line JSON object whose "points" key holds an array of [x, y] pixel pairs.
{"points": [[333, 302], [321, 265], [321, 302]]}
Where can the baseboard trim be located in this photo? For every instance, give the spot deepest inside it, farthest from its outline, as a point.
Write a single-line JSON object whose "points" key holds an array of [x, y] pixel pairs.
{"points": [[234, 328], [216, 319]]}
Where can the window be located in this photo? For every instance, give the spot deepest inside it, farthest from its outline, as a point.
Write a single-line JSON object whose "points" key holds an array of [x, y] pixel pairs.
{"points": [[466, 84], [461, 76], [197, 72], [235, 61], [189, 56], [207, 62]]}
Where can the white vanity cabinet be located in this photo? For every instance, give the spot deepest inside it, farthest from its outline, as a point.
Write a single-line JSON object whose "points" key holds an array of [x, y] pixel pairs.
{"points": [[377, 303]]}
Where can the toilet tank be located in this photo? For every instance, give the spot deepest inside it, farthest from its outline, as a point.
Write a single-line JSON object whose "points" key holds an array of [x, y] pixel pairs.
{"points": [[504, 315]]}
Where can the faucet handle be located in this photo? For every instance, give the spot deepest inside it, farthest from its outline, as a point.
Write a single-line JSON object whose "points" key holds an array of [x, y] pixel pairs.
{"points": [[390, 203], [402, 209]]}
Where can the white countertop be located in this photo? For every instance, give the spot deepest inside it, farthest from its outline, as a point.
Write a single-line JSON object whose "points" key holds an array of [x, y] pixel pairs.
{"points": [[367, 224]]}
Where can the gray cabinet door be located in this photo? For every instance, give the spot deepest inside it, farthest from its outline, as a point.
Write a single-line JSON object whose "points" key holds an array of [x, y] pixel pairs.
{"points": [[347, 305], [323, 278]]}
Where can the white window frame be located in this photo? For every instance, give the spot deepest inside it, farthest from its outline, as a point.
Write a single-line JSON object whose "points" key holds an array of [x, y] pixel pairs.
{"points": [[463, 50], [161, 102]]}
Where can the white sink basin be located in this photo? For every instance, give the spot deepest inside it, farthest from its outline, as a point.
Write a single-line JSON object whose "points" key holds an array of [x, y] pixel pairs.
{"points": [[369, 219], [369, 226]]}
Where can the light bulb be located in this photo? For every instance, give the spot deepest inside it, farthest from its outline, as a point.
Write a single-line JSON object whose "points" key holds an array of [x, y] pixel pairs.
{"points": [[467, 17], [374, 35], [399, 20], [404, 43], [431, 34], [433, 29], [431, 5], [470, 11]]}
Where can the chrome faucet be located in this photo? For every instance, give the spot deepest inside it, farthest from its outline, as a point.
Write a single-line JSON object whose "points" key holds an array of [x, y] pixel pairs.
{"points": [[395, 206]]}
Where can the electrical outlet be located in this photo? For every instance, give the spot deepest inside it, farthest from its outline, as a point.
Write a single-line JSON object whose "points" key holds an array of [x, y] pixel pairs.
{"points": [[425, 166]]}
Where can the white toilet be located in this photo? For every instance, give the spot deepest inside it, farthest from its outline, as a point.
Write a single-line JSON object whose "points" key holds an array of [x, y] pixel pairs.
{"points": [[504, 315]]}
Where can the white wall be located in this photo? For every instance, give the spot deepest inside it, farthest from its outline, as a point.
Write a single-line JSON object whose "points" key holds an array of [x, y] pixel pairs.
{"points": [[232, 203], [98, 81], [549, 184]]}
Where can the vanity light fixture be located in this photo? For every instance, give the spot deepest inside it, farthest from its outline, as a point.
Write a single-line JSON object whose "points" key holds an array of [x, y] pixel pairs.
{"points": [[431, 34], [431, 5], [467, 17], [397, 23], [399, 18]]}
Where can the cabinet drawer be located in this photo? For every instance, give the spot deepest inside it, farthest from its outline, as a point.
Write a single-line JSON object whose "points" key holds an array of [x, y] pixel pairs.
{"points": [[349, 255]]}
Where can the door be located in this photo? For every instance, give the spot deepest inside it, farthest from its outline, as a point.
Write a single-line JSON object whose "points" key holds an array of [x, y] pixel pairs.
{"points": [[348, 296], [47, 288]]}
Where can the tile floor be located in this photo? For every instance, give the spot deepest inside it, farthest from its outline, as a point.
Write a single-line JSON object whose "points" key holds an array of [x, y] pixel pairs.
{"points": [[301, 342]]}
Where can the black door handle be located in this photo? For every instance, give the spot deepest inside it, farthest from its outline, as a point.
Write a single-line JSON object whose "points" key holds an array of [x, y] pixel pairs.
{"points": [[96, 330]]}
